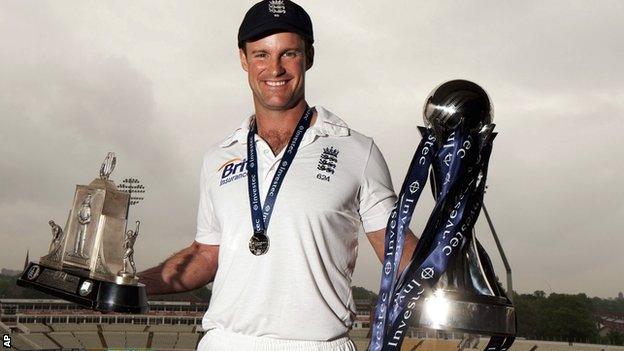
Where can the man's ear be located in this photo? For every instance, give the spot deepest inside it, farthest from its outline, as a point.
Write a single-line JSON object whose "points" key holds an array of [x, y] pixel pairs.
{"points": [[243, 59], [309, 57]]}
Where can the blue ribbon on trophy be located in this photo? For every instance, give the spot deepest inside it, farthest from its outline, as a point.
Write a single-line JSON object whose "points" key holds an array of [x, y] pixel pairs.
{"points": [[456, 148]]}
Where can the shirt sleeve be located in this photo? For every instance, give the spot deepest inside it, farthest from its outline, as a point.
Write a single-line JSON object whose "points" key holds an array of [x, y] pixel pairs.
{"points": [[208, 228], [376, 193]]}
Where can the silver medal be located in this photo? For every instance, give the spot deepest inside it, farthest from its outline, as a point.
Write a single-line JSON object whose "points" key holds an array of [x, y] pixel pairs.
{"points": [[259, 244]]}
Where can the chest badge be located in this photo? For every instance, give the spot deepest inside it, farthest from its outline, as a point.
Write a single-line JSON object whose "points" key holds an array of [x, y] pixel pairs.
{"points": [[327, 163]]}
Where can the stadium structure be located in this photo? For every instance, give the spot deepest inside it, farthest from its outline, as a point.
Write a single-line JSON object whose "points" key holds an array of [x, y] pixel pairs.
{"points": [[36, 324], [50, 324], [611, 322], [46, 324]]}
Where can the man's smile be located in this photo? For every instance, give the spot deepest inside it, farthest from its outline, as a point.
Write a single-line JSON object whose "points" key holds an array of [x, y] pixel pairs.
{"points": [[275, 83]]}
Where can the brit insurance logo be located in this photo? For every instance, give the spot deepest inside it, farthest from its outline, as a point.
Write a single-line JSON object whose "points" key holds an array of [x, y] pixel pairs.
{"points": [[327, 163], [232, 170]]}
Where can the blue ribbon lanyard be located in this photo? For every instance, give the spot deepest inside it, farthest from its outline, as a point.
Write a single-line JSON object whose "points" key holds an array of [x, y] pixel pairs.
{"points": [[449, 164], [398, 222], [459, 194], [449, 236], [260, 215]]}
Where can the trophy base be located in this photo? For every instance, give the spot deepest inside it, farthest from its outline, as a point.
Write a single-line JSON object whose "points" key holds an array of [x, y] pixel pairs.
{"points": [[126, 278], [78, 258], [480, 314], [92, 293]]}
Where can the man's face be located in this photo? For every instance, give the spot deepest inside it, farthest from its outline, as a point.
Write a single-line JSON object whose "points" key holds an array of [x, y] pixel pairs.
{"points": [[276, 66]]}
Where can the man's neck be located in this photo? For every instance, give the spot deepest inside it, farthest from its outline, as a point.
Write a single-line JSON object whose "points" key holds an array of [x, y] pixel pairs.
{"points": [[276, 126]]}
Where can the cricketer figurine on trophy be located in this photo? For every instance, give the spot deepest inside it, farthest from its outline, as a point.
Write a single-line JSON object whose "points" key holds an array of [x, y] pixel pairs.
{"points": [[449, 284], [90, 261]]}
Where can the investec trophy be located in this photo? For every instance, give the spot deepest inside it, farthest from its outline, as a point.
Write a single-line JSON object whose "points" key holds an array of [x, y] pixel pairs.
{"points": [[450, 283], [90, 261]]}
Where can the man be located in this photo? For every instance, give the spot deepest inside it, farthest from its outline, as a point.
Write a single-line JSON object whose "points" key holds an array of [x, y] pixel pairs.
{"points": [[282, 200]]}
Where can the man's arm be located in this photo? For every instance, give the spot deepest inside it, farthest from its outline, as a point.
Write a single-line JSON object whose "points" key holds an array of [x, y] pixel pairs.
{"points": [[189, 269], [377, 240]]}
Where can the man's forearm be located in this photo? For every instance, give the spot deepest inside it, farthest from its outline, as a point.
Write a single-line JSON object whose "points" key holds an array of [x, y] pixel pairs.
{"points": [[189, 269], [408, 249], [377, 239]]}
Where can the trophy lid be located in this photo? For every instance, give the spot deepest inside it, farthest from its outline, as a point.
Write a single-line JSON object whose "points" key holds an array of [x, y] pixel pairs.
{"points": [[457, 102]]}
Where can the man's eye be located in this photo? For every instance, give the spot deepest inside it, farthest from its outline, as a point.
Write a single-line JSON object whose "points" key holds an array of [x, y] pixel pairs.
{"points": [[260, 55], [291, 54]]}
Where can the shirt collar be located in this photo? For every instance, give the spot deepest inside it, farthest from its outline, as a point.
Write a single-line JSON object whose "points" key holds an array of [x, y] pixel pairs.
{"points": [[326, 124]]}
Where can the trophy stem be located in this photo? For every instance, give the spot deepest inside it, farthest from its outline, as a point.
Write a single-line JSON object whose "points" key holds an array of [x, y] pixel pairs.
{"points": [[502, 253]]}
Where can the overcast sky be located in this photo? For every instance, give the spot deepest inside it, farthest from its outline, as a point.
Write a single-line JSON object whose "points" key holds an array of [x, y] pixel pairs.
{"points": [[157, 82]]}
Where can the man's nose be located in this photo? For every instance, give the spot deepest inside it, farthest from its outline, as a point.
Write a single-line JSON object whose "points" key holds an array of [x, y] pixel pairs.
{"points": [[276, 67]]}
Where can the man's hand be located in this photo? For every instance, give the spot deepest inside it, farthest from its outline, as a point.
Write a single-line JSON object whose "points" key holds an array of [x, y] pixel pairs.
{"points": [[377, 240], [189, 269]]}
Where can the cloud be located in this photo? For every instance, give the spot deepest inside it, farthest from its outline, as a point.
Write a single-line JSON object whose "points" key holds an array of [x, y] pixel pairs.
{"points": [[157, 83], [64, 105]]}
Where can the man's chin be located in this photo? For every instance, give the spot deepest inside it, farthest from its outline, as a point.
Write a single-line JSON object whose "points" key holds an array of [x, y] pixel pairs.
{"points": [[280, 105]]}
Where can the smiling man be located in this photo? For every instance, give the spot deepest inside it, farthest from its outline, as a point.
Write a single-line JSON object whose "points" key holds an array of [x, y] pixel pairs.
{"points": [[282, 200]]}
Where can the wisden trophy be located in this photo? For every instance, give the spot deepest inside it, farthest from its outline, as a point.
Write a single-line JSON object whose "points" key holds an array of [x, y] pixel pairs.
{"points": [[90, 261]]}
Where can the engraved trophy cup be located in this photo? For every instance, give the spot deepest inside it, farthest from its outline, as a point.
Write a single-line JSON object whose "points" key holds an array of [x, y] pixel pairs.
{"points": [[90, 261]]}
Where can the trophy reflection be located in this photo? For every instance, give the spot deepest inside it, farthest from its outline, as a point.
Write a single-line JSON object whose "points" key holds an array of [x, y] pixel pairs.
{"points": [[90, 261]]}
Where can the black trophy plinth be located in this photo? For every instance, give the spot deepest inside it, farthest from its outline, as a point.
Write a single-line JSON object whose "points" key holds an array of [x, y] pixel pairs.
{"points": [[75, 286]]}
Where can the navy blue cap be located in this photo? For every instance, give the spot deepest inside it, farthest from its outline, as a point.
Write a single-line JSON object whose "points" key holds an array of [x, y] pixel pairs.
{"points": [[271, 16]]}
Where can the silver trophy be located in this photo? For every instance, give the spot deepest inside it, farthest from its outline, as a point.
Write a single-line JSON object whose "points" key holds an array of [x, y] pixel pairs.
{"points": [[450, 284], [468, 297], [91, 262]]}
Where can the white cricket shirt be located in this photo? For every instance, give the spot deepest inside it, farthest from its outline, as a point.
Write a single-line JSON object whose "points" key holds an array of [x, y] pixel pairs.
{"points": [[300, 289]]}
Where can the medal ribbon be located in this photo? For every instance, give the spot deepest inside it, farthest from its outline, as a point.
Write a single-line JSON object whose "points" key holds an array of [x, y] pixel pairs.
{"points": [[398, 222], [459, 203], [460, 171], [442, 177], [260, 215]]}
